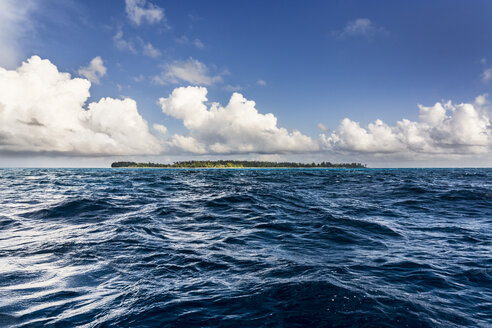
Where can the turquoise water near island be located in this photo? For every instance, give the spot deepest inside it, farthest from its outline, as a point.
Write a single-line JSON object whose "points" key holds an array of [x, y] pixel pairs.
{"points": [[246, 247]]}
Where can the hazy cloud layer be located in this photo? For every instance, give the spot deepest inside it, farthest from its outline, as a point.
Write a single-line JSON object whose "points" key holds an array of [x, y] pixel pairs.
{"points": [[122, 44], [360, 27], [14, 23], [444, 128], [232, 88], [190, 71], [140, 46], [487, 75], [186, 41], [323, 127], [160, 128], [235, 128], [139, 11], [94, 71], [42, 110], [149, 50]]}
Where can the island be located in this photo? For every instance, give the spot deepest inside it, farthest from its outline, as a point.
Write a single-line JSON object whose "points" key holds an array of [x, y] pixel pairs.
{"points": [[226, 164]]}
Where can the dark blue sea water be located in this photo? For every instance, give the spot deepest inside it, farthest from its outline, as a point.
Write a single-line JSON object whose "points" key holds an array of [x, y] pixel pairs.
{"points": [[245, 248]]}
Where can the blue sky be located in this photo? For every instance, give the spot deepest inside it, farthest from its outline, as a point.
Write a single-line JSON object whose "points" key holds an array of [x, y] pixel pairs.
{"points": [[305, 64]]}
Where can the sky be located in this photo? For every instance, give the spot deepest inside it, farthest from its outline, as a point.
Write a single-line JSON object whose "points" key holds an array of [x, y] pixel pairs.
{"points": [[386, 83]]}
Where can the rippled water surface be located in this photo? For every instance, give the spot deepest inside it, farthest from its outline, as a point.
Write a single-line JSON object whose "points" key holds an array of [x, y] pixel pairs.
{"points": [[249, 248]]}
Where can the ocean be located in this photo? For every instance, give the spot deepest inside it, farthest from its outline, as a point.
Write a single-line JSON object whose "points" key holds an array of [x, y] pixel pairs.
{"points": [[246, 247]]}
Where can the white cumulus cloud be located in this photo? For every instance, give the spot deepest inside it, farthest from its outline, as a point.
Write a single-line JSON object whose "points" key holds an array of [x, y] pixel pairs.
{"points": [[43, 110], [94, 71], [444, 128], [191, 71], [139, 10], [235, 128]]}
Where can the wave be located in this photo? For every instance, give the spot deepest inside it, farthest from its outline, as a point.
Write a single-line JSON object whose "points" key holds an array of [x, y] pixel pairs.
{"points": [[320, 248]]}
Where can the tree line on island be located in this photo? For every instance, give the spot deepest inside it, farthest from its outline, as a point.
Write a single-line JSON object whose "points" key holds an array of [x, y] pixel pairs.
{"points": [[238, 164]]}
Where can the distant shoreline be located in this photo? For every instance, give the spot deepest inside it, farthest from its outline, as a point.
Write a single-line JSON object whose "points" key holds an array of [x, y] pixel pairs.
{"points": [[233, 164], [236, 168]]}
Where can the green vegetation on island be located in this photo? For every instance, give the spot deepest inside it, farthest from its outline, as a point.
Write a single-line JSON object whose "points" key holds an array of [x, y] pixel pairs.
{"points": [[224, 164]]}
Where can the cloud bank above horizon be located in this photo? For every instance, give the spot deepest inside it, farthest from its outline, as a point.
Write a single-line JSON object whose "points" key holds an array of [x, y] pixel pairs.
{"points": [[443, 129], [43, 110], [236, 128]]}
